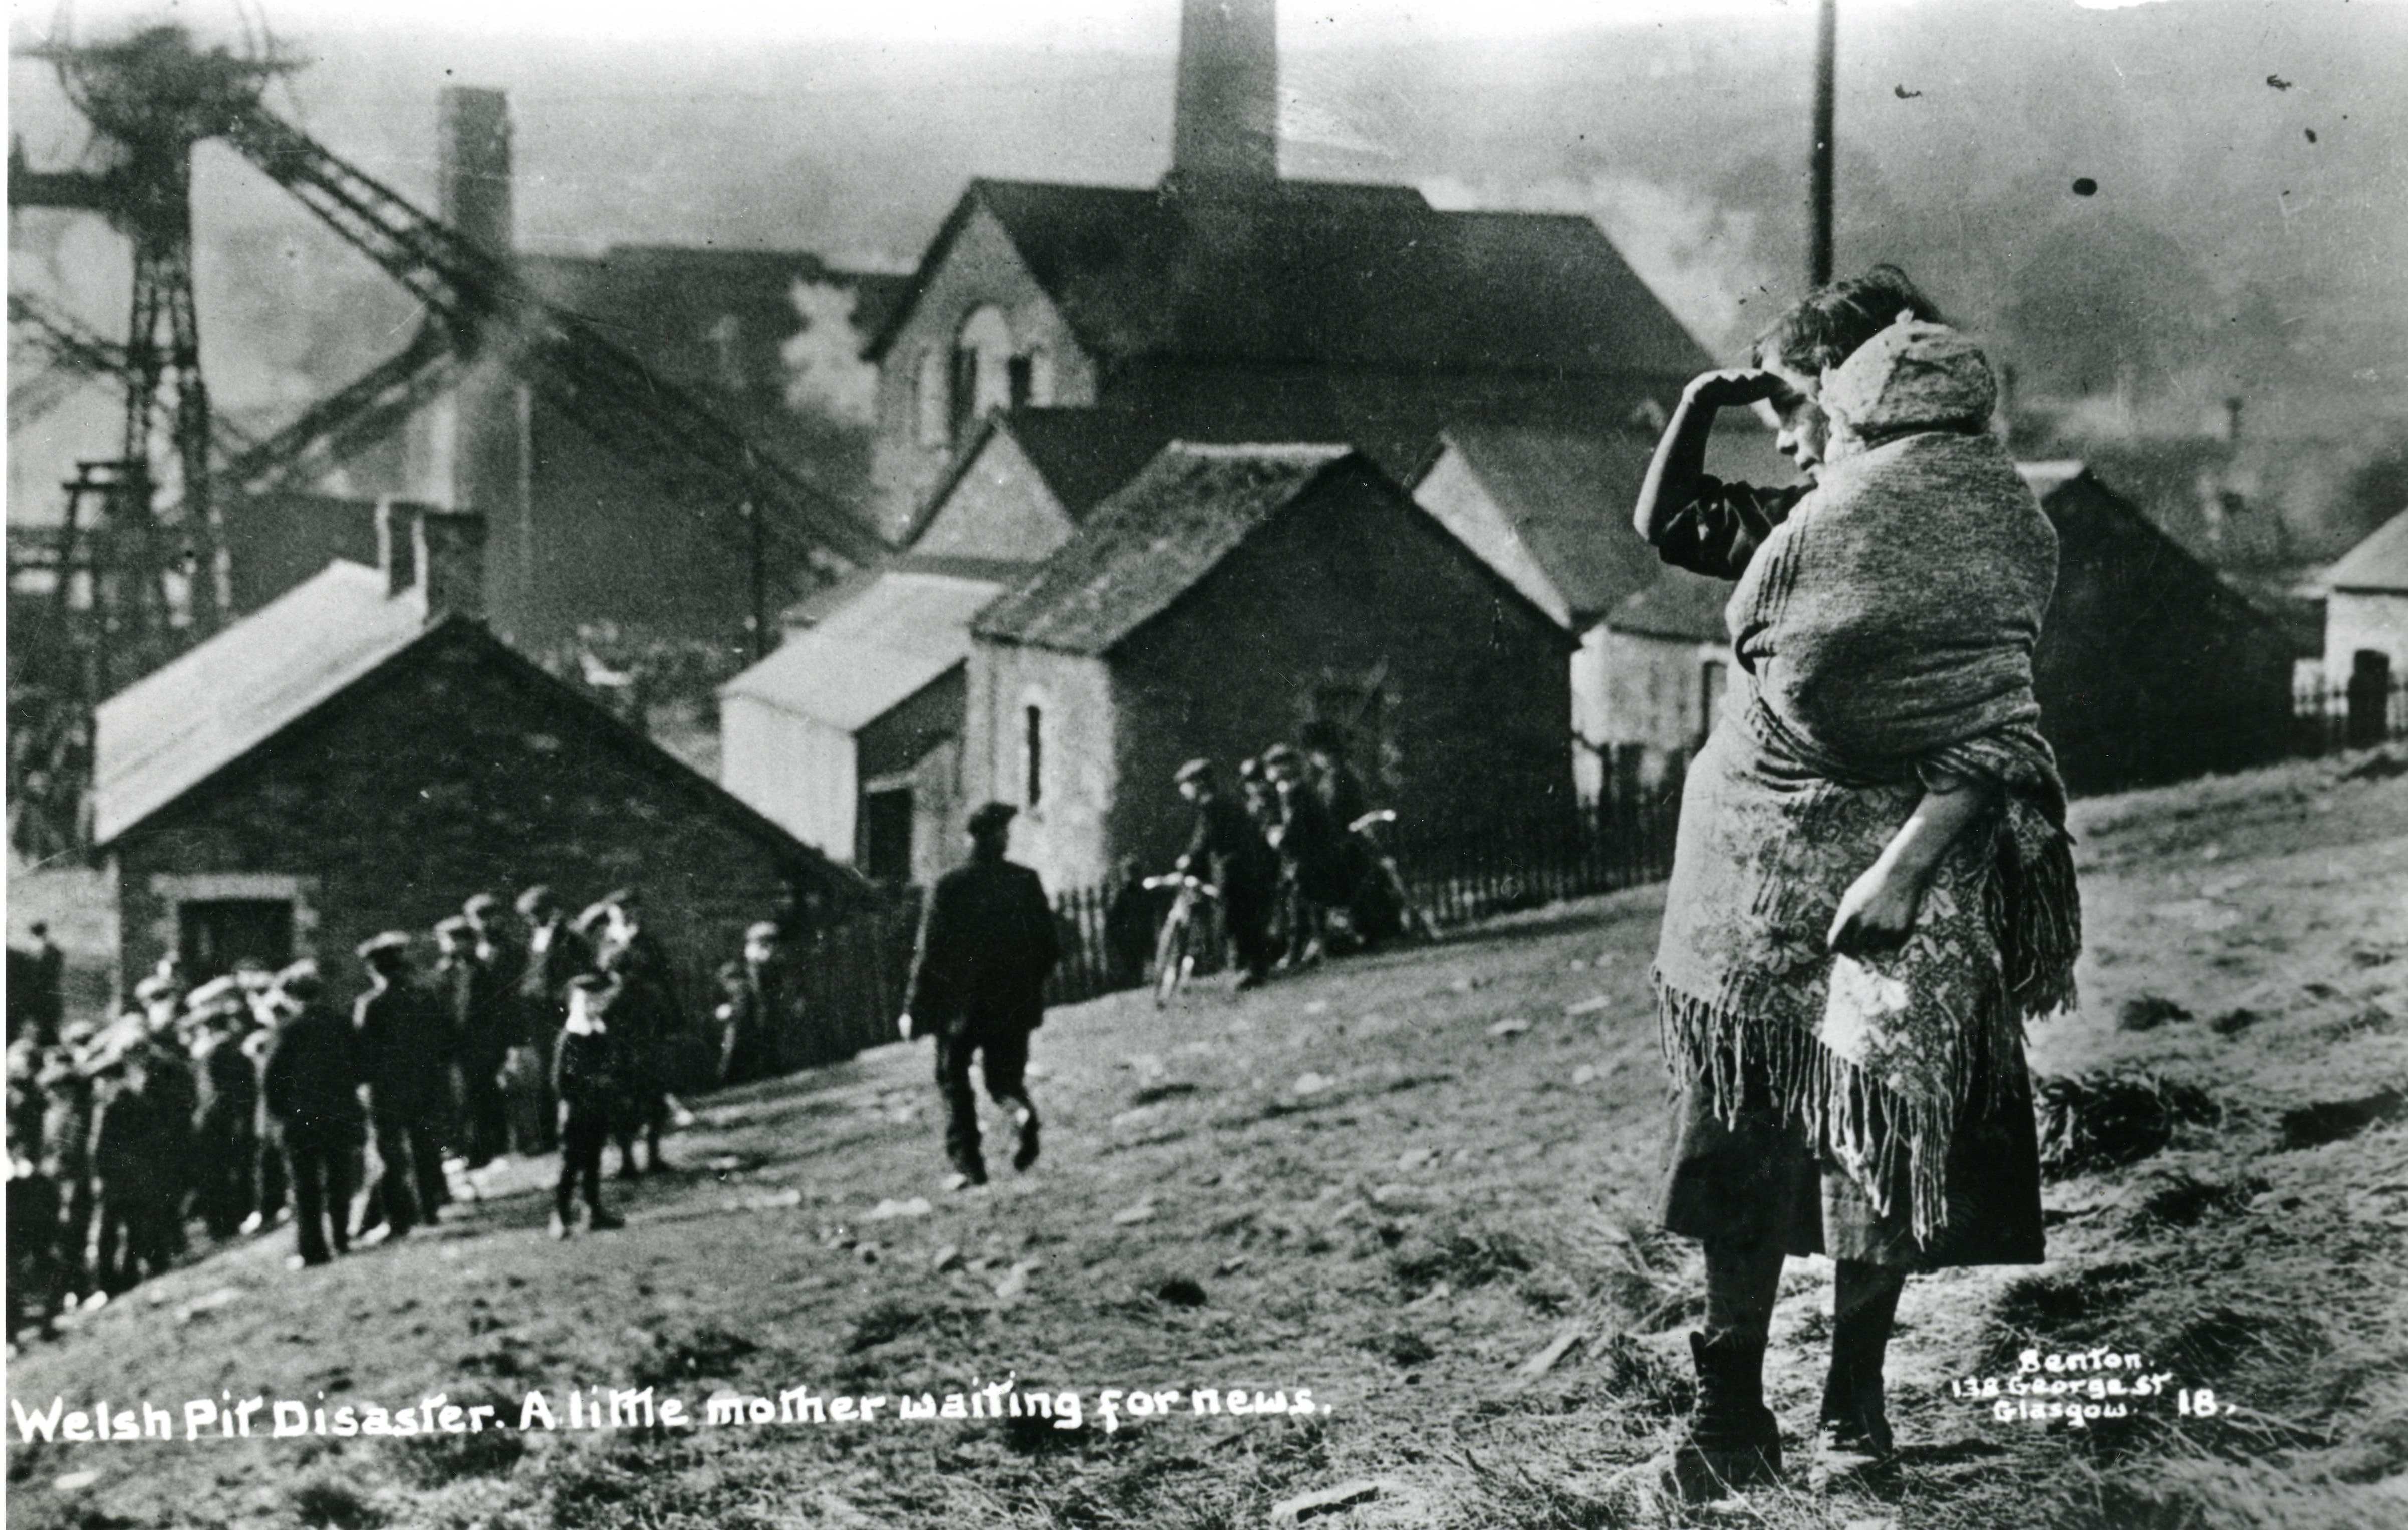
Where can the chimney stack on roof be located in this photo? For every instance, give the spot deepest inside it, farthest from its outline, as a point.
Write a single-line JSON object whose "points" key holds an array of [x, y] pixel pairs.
{"points": [[396, 526], [451, 563], [472, 166], [1225, 128], [433, 556]]}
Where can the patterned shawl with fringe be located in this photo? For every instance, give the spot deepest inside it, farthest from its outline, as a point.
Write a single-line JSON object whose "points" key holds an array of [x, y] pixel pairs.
{"points": [[1885, 632]]}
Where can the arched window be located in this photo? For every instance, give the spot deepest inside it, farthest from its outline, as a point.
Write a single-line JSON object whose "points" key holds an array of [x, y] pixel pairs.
{"points": [[928, 395], [1041, 379], [981, 368]]}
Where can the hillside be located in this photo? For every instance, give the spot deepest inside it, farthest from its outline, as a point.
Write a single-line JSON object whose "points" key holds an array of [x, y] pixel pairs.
{"points": [[1396, 1184]]}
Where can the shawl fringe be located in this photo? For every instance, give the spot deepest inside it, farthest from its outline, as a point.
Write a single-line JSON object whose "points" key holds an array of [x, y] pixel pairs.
{"points": [[1884, 1139]]}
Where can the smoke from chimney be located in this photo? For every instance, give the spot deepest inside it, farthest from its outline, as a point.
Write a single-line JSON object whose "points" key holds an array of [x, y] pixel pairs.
{"points": [[1225, 127]]}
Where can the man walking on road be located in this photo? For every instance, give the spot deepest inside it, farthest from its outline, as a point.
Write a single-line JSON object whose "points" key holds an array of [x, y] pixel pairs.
{"points": [[978, 984]]}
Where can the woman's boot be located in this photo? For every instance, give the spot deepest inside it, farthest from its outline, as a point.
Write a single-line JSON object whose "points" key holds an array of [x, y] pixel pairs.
{"points": [[1733, 1441], [1852, 1439]]}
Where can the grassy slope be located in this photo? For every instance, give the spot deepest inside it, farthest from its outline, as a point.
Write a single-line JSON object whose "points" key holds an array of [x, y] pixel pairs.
{"points": [[1397, 1242]]}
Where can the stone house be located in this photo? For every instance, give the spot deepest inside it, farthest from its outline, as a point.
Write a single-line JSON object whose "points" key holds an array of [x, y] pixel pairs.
{"points": [[1664, 657], [1550, 509], [1224, 598], [1227, 303], [850, 734], [363, 753]]}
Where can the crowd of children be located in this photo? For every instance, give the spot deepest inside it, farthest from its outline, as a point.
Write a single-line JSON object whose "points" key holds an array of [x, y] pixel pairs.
{"points": [[249, 1099]]}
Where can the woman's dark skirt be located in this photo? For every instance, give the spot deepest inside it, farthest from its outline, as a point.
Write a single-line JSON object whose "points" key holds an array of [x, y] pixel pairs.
{"points": [[1762, 1178]]}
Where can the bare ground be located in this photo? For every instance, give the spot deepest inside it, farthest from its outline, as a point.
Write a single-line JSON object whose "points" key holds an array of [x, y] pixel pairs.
{"points": [[1392, 1183]]}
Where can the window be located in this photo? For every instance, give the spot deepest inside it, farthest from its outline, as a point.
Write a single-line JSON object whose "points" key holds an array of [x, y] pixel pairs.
{"points": [[1032, 760], [1019, 370], [982, 370], [929, 398], [1711, 677], [213, 935], [1041, 378]]}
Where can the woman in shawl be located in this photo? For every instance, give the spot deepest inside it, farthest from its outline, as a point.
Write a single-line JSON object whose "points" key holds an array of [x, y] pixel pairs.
{"points": [[1872, 889]]}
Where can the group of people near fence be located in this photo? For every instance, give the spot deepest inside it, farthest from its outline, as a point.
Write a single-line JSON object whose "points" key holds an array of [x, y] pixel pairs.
{"points": [[1283, 845], [251, 1097]]}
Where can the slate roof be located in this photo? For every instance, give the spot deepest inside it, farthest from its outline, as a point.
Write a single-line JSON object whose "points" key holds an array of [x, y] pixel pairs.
{"points": [[183, 724], [902, 630], [1683, 606], [1319, 273], [1568, 497], [1149, 544], [2377, 566]]}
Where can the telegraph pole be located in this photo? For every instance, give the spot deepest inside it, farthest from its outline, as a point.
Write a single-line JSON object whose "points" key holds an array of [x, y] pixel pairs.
{"points": [[1827, 34]]}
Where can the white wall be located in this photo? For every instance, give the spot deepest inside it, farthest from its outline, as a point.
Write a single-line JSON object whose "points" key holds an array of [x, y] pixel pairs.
{"points": [[2354, 622], [798, 773]]}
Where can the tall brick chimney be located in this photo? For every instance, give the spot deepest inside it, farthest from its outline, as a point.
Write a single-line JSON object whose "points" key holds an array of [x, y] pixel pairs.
{"points": [[451, 563], [1225, 132], [479, 457], [472, 165]]}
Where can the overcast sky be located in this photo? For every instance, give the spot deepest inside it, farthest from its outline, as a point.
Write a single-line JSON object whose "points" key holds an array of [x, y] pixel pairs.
{"points": [[1150, 25]]}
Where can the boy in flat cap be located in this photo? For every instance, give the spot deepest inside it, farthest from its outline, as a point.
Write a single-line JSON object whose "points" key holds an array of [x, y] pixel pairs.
{"points": [[584, 1076], [986, 945], [310, 1085], [405, 1052]]}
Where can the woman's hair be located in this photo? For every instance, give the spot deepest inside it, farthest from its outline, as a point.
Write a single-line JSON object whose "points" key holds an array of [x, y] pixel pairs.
{"points": [[1828, 323]]}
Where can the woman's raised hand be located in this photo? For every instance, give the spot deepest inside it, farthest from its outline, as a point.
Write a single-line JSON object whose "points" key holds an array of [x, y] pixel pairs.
{"points": [[1731, 387]]}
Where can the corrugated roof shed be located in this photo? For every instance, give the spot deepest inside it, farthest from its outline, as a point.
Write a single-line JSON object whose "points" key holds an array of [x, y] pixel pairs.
{"points": [[183, 723], [2379, 565], [1320, 273], [902, 630], [1149, 543]]}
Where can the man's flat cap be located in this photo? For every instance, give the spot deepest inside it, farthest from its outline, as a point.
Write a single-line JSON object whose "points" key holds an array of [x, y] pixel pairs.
{"points": [[588, 982], [395, 942], [455, 926], [1194, 770], [763, 931], [534, 898], [156, 986], [622, 897], [479, 905], [1282, 754], [991, 818], [216, 995]]}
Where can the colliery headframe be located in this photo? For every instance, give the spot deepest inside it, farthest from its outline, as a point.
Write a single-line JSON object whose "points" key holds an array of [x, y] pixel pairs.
{"points": [[136, 568]]}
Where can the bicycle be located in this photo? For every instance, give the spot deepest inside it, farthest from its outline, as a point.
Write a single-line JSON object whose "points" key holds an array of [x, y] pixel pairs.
{"points": [[1176, 946], [1383, 879]]}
